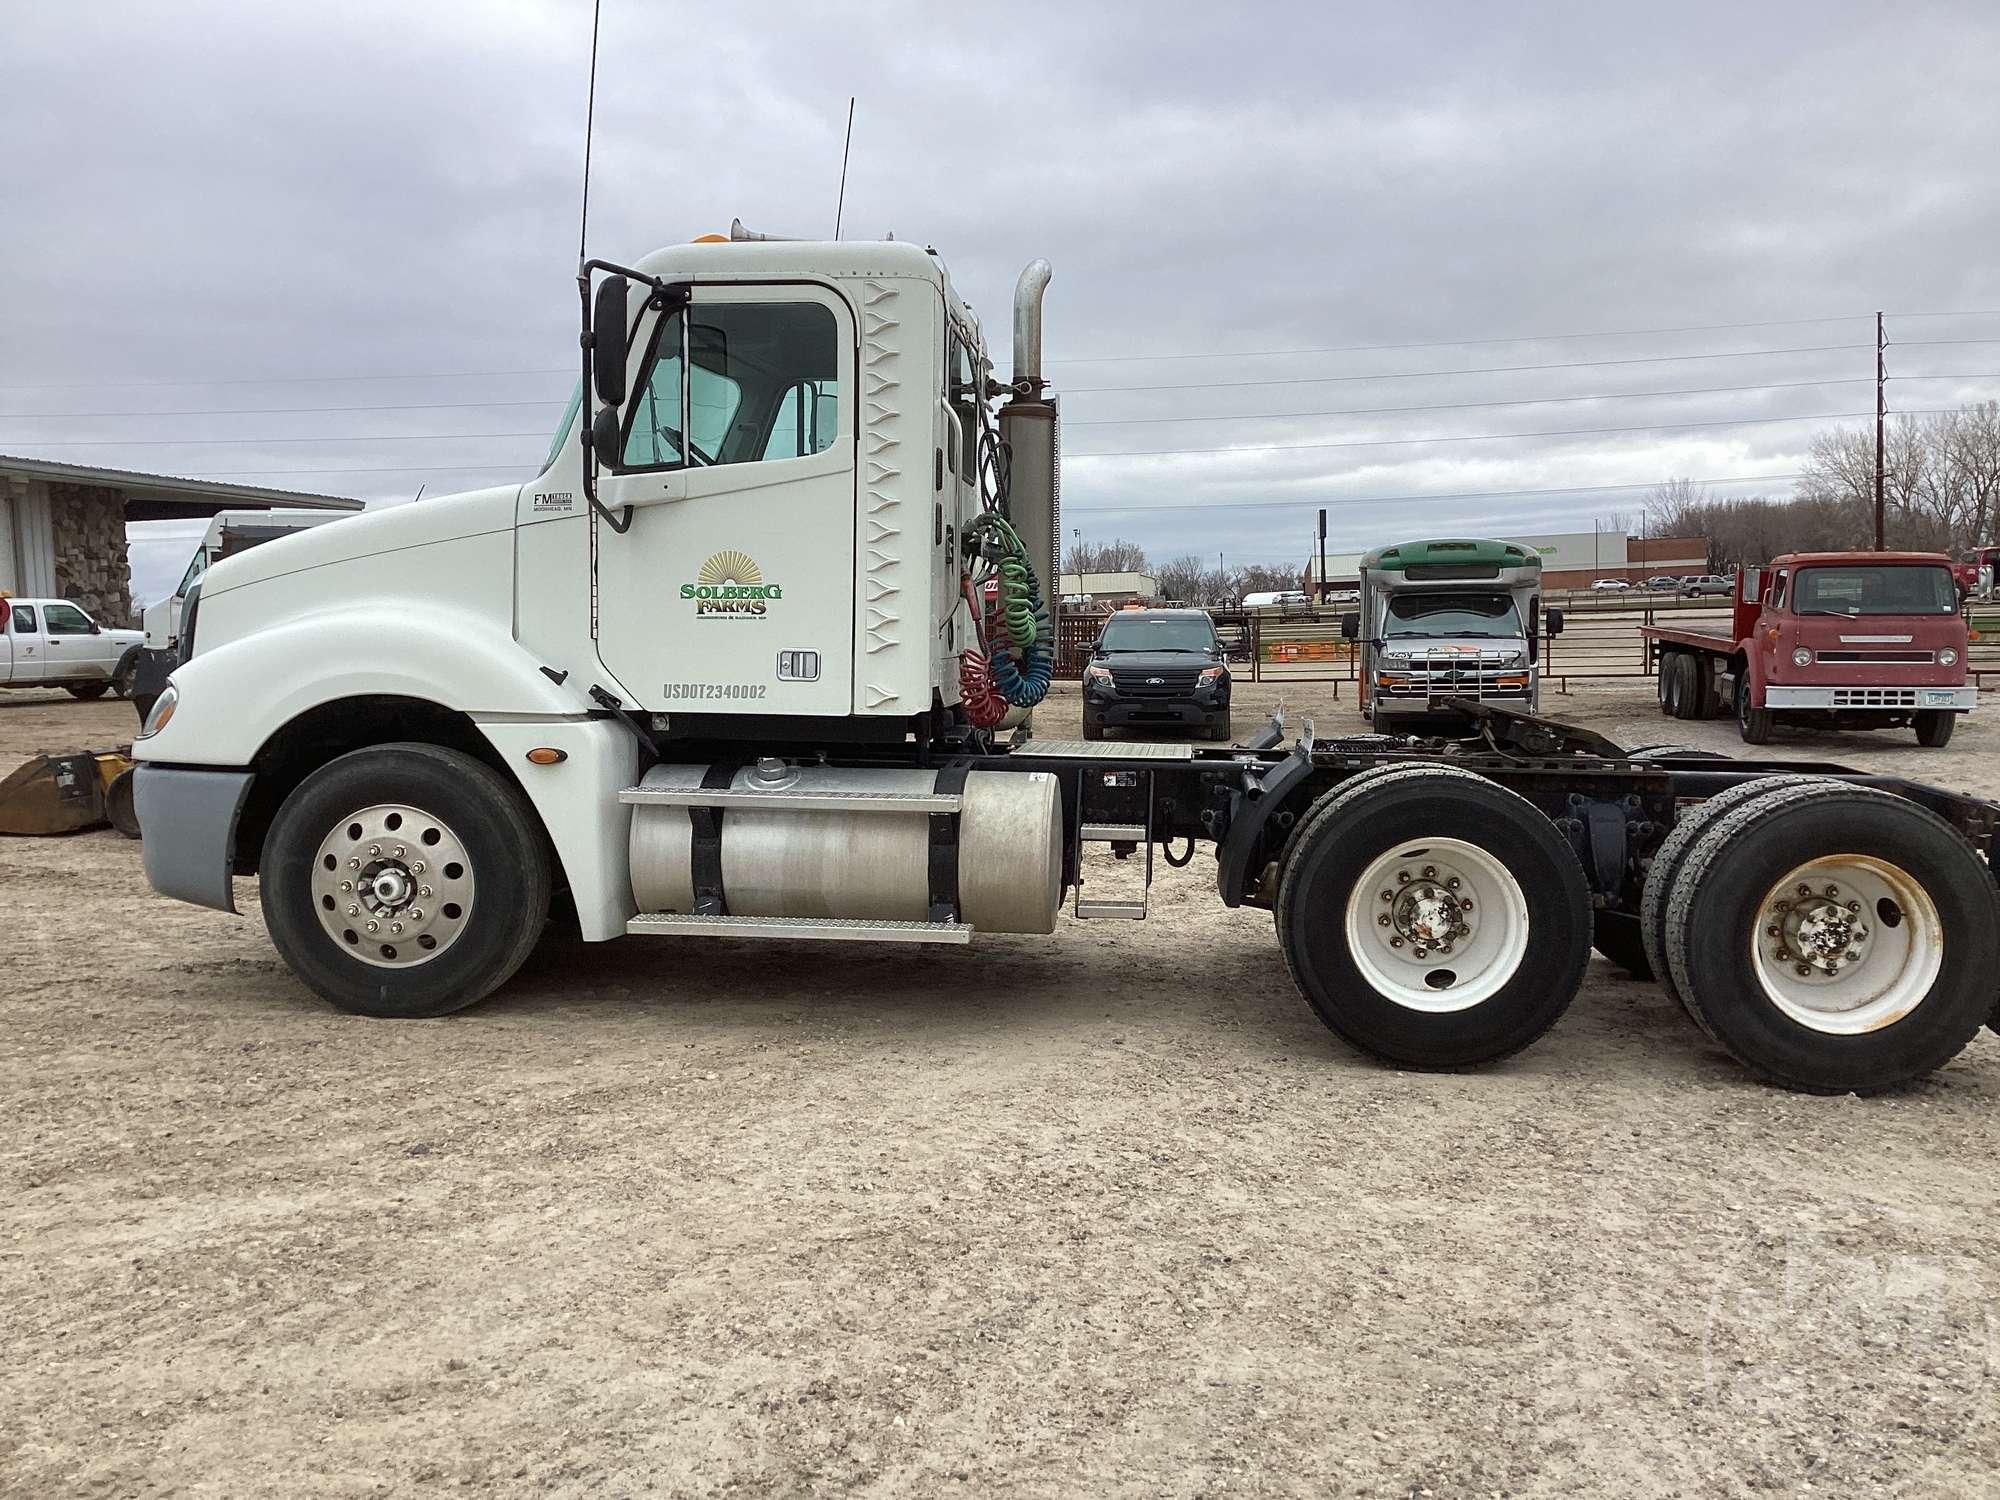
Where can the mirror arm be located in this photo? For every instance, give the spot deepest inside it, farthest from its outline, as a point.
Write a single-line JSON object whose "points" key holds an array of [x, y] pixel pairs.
{"points": [[663, 293]]}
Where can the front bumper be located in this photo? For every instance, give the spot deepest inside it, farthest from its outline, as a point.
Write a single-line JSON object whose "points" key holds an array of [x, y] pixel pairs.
{"points": [[1123, 713], [1887, 699], [187, 825]]}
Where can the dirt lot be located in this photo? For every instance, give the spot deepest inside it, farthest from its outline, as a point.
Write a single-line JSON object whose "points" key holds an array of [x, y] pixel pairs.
{"points": [[1108, 1214]]}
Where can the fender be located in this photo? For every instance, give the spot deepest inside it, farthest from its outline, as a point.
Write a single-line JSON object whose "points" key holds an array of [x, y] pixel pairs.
{"points": [[1752, 675], [234, 697]]}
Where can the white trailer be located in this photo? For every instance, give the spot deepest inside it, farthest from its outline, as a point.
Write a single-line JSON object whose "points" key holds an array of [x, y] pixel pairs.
{"points": [[726, 667]]}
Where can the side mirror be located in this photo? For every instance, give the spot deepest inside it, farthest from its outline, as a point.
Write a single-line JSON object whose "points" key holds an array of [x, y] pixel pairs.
{"points": [[1350, 626], [604, 435], [608, 351], [95, 628], [1553, 620]]}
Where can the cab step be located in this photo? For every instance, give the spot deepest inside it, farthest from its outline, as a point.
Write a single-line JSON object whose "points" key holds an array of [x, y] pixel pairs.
{"points": [[821, 929], [1112, 833], [1124, 911]]}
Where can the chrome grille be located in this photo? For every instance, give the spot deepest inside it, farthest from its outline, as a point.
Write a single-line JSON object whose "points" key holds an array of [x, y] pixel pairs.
{"points": [[1157, 682]]}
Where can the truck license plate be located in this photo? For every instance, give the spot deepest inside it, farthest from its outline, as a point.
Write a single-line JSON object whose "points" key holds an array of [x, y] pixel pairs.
{"points": [[1936, 695]]}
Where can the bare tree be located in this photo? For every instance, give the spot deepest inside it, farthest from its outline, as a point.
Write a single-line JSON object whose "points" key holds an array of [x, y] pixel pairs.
{"points": [[1118, 556], [1185, 580]]}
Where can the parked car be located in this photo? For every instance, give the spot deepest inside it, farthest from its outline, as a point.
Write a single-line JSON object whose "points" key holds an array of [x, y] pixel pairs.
{"points": [[1273, 597], [1664, 581], [1696, 585], [1157, 669], [1610, 585], [53, 643]]}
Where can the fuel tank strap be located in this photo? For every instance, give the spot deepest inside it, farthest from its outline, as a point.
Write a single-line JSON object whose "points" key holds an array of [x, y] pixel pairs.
{"points": [[705, 851], [944, 847]]}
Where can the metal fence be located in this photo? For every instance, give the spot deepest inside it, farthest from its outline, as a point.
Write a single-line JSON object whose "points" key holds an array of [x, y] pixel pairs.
{"points": [[1600, 642]]}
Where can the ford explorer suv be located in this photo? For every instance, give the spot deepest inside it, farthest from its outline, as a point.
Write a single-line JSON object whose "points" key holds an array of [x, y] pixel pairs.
{"points": [[1157, 669]]}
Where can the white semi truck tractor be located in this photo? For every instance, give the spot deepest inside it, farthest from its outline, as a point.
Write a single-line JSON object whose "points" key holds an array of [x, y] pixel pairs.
{"points": [[729, 666]]}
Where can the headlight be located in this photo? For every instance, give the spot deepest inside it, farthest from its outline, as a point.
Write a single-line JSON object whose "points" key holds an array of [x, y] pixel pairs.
{"points": [[1947, 657], [1802, 657], [1213, 674], [163, 710], [1097, 674]]}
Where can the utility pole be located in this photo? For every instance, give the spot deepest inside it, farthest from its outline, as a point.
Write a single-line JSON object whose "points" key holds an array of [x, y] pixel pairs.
{"points": [[1322, 558], [1881, 411]]}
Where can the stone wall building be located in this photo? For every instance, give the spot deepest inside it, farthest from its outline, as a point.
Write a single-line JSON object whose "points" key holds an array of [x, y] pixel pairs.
{"points": [[62, 526]]}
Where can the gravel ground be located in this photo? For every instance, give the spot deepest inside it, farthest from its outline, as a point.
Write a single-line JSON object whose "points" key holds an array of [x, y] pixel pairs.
{"points": [[1108, 1214]]}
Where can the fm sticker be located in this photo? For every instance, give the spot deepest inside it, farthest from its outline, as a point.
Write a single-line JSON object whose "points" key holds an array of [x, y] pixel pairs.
{"points": [[555, 502]]}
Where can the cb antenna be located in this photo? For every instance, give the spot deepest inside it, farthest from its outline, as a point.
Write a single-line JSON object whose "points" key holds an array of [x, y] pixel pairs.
{"points": [[589, 124], [840, 207]]}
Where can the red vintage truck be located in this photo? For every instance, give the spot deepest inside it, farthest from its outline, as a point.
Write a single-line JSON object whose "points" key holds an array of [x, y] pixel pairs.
{"points": [[1844, 640]]}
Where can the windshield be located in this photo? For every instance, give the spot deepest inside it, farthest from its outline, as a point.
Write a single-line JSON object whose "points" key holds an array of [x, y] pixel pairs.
{"points": [[1877, 589], [1439, 615], [1158, 633]]}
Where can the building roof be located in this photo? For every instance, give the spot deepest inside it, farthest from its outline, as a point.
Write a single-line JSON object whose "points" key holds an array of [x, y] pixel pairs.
{"points": [[159, 497]]}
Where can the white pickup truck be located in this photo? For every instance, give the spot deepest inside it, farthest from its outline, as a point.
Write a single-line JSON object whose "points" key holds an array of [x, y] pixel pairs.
{"points": [[53, 643]]}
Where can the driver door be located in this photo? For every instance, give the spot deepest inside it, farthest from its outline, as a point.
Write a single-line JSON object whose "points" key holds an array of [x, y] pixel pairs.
{"points": [[732, 591]]}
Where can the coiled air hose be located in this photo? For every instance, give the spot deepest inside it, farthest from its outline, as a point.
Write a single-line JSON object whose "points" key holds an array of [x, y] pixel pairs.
{"points": [[1016, 671]]}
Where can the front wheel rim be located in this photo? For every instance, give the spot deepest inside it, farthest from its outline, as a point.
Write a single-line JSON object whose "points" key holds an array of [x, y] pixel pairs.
{"points": [[392, 885], [1437, 925], [1847, 944]]}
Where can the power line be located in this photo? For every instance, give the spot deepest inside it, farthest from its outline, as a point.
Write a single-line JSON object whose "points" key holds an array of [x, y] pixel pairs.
{"points": [[1583, 489], [1481, 437], [1362, 411], [258, 411], [1574, 364], [1514, 338], [134, 385], [540, 434]]}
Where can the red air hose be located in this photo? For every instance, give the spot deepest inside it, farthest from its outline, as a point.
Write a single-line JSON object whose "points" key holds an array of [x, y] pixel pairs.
{"points": [[982, 701]]}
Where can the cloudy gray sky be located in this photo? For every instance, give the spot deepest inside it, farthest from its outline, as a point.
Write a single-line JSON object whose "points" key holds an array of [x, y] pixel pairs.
{"points": [[366, 212]]}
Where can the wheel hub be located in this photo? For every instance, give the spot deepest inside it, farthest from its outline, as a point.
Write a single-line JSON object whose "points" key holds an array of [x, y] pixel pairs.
{"points": [[392, 885], [1818, 931], [1437, 926]]}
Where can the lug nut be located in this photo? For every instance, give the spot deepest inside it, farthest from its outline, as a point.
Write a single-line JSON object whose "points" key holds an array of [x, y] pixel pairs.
{"points": [[1402, 877], [1805, 890], [1388, 895], [1804, 970], [374, 851], [373, 925], [1430, 872], [1452, 882], [400, 851], [417, 868], [1383, 920], [396, 927], [347, 885], [1774, 932], [1395, 942], [1444, 947], [1853, 955], [1466, 904], [1832, 892], [354, 864], [415, 914], [1854, 906], [353, 910], [1832, 968], [425, 891]]}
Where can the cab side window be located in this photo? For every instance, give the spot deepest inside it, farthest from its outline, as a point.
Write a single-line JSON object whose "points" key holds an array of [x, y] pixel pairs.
{"points": [[1779, 590], [22, 619], [65, 619], [757, 381]]}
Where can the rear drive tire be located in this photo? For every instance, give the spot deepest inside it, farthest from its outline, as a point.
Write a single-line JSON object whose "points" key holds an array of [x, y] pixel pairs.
{"points": [[1665, 869], [1899, 945], [1390, 987], [89, 692], [1934, 727], [1687, 686], [436, 849]]}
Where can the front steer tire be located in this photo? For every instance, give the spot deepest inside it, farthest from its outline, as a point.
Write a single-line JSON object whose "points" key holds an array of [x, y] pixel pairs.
{"points": [[1934, 727], [504, 852], [88, 692], [1535, 912]]}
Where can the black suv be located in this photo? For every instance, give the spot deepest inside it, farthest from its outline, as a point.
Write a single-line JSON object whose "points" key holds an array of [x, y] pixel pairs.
{"points": [[1157, 669]]}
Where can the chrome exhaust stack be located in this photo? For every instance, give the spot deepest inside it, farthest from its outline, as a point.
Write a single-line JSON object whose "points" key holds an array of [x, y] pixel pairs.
{"points": [[1028, 424]]}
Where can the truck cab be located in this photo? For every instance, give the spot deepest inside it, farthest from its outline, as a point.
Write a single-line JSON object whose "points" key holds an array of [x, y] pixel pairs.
{"points": [[1452, 618], [1850, 640], [56, 644]]}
